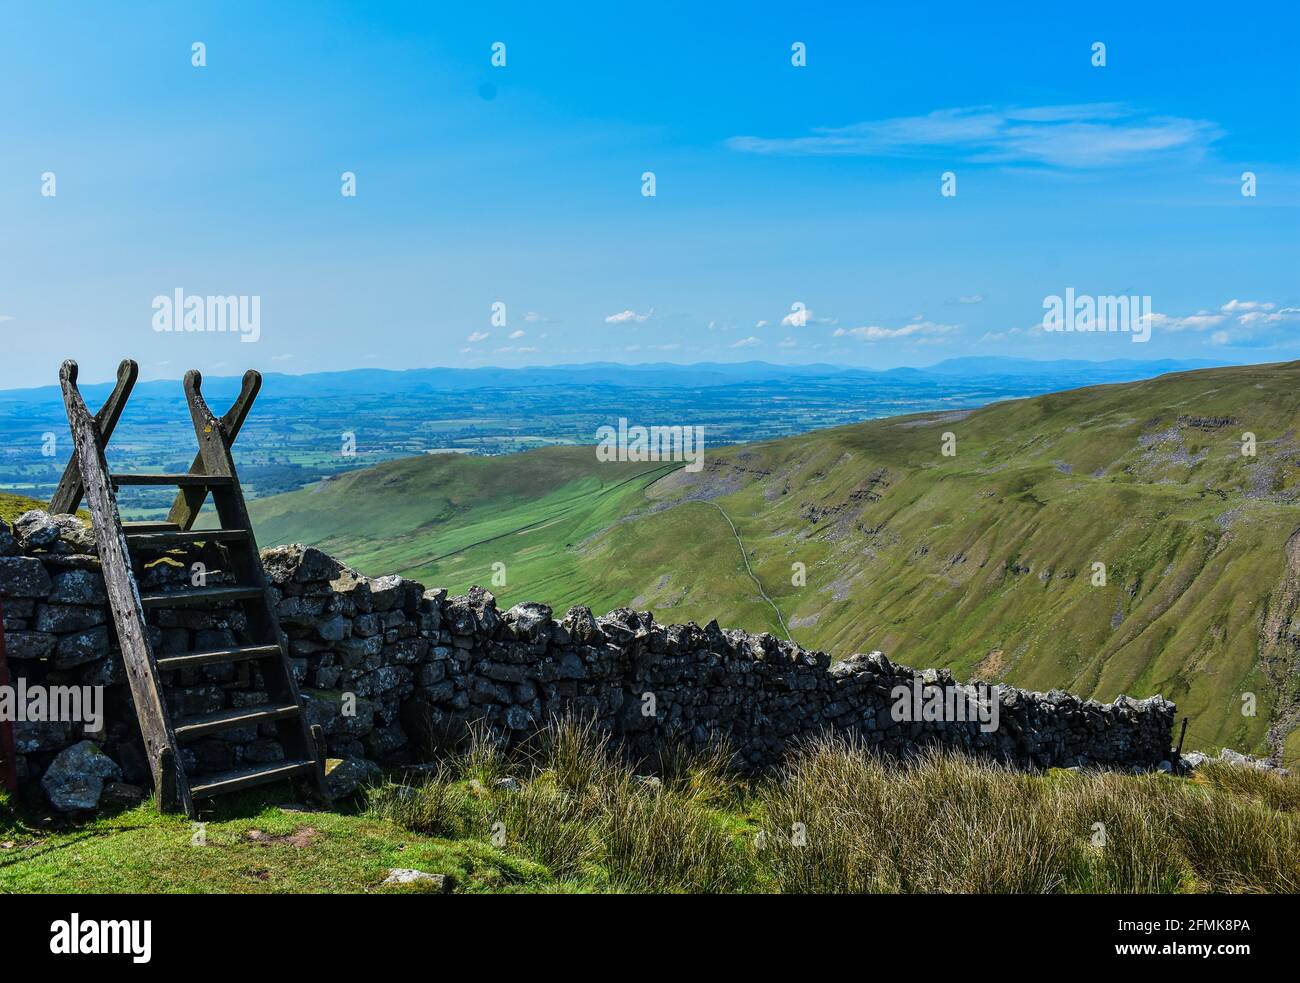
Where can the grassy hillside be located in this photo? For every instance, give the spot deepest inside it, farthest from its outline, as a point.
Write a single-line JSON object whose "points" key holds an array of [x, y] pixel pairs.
{"points": [[12, 506], [445, 518], [982, 561]]}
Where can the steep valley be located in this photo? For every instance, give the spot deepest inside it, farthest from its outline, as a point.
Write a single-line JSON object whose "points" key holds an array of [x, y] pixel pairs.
{"points": [[1107, 540]]}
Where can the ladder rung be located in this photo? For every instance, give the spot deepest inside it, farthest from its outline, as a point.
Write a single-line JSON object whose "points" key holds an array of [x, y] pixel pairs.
{"points": [[199, 595], [164, 538], [191, 660], [233, 781], [181, 480], [210, 723]]}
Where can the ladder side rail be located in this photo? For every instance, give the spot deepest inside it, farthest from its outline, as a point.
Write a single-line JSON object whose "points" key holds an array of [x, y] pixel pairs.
{"points": [[189, 501], [67, 496], [124, 600], [214, 447]]}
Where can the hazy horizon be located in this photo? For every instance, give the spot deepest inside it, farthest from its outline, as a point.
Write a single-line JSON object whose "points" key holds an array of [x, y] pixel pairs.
{"points": [[87, 378]]}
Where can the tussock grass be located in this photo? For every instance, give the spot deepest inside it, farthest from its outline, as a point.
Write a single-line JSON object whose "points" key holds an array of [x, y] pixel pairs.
{"points": [[1271, 789], [839, 819], [584, 812], [485, 759], [568, 813], [435, 807], [1236, 846]]}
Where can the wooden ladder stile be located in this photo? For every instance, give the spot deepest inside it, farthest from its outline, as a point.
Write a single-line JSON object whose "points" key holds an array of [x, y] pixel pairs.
{"points": [[123, 594], [212, 472]]}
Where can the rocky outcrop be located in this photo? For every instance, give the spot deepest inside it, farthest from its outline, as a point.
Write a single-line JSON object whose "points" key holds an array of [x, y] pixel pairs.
{"points": [[392, 671], [1195, 759]]}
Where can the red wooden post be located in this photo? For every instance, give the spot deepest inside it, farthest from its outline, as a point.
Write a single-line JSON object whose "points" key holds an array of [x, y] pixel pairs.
{"points": [[8, 756]]}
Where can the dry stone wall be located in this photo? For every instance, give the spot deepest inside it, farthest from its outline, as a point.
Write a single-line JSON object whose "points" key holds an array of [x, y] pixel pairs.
{"points": [[392, 671]]}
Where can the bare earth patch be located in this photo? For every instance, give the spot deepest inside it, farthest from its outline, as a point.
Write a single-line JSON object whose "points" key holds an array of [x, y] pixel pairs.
{"points": [[991, 666]]}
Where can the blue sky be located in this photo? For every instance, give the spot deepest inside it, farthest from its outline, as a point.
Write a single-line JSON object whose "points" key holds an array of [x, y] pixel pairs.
{"points": [[775, 184]]}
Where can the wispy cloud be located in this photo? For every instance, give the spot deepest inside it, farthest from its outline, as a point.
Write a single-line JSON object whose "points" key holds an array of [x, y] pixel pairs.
{"points": [[914, 329], [745, 342], [629, 316], [1034, 329], [1074, 136], [1187, 322], [1249, 306], [476, 336]]}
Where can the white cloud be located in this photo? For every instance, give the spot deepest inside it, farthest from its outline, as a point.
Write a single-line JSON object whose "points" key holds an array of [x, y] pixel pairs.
{"points": [[788, 343], [1081, 135], [532, 317], [1241, 313], [624, 317], [516, 335], [1270, 317], [1251, 323], [745, 342], [914, 329], [760, 324], [477, 336]]}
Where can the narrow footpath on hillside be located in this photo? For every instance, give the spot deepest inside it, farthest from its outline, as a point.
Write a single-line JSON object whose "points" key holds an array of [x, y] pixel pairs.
{"points": [[750, 570]]}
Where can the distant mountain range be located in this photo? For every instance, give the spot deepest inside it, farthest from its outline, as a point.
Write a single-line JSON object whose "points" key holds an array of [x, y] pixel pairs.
{"points": [[663, 375]]}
